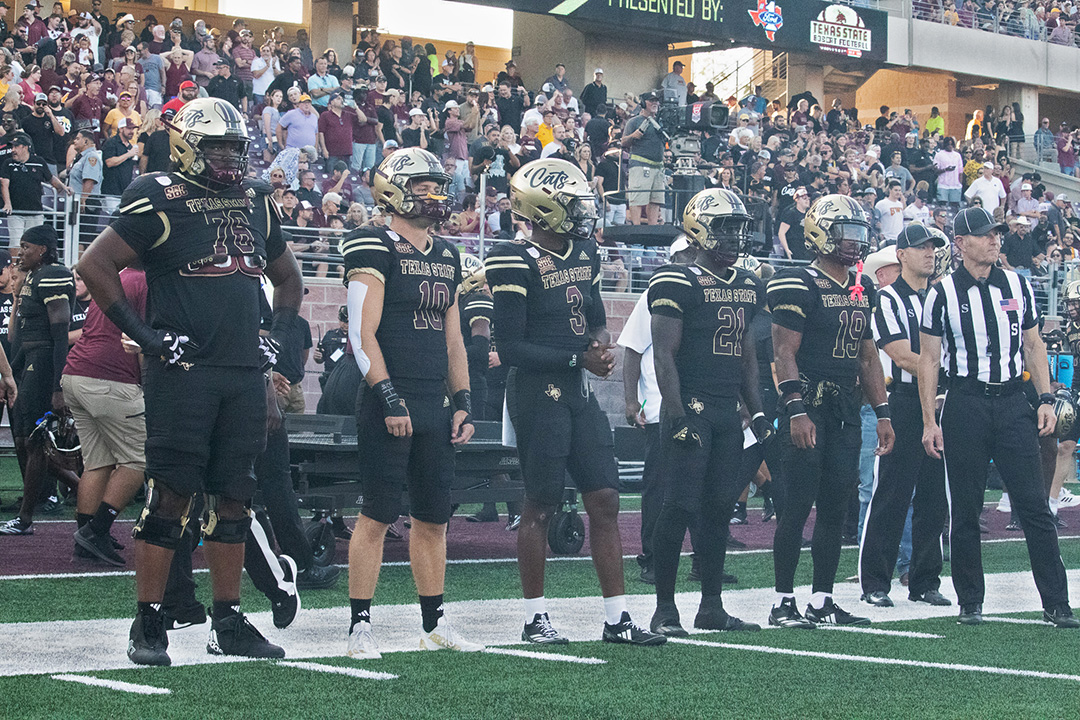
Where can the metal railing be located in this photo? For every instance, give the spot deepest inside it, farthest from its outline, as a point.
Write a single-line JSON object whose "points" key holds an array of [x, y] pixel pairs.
{"points": [[1015, 24]]}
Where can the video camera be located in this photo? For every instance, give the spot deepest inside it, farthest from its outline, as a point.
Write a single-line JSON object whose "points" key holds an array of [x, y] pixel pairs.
{"points": [[681, 126]]}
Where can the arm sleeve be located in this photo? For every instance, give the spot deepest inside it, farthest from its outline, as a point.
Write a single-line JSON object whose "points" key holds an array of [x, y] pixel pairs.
{"points": [[669, 292], [933, 318], [596, 318], [790, 300], [365, 253], [887, 325]]}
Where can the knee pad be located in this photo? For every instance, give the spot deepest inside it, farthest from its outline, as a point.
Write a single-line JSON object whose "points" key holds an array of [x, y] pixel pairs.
{"points": [[383, 507], [230, 531], [155, 528]]}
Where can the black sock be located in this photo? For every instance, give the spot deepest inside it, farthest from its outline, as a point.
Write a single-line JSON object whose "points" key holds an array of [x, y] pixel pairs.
{"points": [[103, 519], [147, 608], [431, 610], [225, 608], [82, 519], [361, 611]]}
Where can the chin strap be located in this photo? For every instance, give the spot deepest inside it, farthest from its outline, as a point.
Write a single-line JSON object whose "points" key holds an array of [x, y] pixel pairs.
{"points": [[857, 288]]}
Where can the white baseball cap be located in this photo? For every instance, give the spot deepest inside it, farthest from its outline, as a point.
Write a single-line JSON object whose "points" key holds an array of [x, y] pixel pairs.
{"points": [[988, 165], [598, 71], [450, 104], [1025, 186], [416, 111]]}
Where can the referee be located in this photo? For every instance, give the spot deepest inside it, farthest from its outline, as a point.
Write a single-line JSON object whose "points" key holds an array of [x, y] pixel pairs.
{"points": [[989, 324], [907, 468]]}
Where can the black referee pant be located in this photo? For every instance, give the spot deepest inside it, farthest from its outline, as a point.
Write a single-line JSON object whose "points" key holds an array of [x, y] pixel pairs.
{"points": [[652, 492], [977, 429], [905, 470], [825, 474]]}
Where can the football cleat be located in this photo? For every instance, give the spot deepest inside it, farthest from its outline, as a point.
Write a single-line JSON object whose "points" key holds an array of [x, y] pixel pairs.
{"points": [[712, 616], [930, 597], [235, 635], [286, 607], [100, 546], [832, 614], [541, 632], [147, 640], [444, 637], [362, 645], [1067, 500], [318, 577], [787, 615], [877, 598], [17, 526], [665, 621], [626, 632], [1061, 616], [970, 614]]}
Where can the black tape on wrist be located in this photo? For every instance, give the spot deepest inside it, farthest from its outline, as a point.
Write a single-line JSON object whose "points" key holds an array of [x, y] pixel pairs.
{"points": [[882, 411], [463, 401], [393, 405], [789, 387], [796, 407], [282, 321]]}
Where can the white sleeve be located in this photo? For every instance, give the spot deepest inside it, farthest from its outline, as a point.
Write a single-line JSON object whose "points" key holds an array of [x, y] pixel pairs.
{"points": [[357, 293], [637, 331]]}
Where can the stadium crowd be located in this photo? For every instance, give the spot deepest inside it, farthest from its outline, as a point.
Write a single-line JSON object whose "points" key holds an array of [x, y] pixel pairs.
{"points": [[1046, 20]]}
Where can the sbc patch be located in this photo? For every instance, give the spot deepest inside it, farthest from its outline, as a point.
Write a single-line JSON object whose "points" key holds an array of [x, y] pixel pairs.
{"points": [[172, 192]]}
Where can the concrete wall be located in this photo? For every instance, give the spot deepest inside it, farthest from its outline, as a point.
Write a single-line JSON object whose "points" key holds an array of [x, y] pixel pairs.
{"points": [[920, 91]]}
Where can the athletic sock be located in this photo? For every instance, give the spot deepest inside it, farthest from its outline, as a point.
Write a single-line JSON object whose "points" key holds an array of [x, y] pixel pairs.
{"points": [[533, 607], [614, 607], [148, 608], [431, 609], [103, 519], [817, 600], [361, 611], [223, 609], [781, 597], [82, 519], [1054, 505]]}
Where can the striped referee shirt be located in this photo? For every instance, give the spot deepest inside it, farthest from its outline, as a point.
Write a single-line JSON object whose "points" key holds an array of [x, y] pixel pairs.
{"points": [[981, 324], [897, 317]]}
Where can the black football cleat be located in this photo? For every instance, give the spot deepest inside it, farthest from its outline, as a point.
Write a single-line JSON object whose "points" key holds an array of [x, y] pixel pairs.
{"points": [[832, 614], [625, 632], [100, 546], [147, 641], [738, 516], [1062, 617], [970, 614], [178, 618], [542, 632], [285, 608], [318, 577], [930, 597], [787, 615], [235, 635], [665, 621], [877, 598], [712, 616]]}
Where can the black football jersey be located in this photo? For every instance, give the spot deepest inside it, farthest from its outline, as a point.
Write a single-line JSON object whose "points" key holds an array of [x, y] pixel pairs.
{"points": [[716, 311], [419, 289], [204, 252], [833, 323], [1072, 334], [41, 286], [545, 299], [476, 306]]}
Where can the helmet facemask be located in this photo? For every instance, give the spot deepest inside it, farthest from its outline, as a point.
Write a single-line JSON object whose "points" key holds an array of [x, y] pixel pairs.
{"points": [[850, 241], [434, 205], [581, 217], [223, 161], [728, 238]]}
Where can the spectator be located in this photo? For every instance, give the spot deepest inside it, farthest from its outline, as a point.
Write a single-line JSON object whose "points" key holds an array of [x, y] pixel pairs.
{"points": [[178, 72], [153, 144], [153, 73], [1026, 205], [264, 69], [896, 171], [243, 55], [646, 185], [225, 86], [299, 127], [123, 109], [790, 229], [204, 63], [307, 191], [1066, 149], [674, 85], [43, 126], [291, 362], [188, 92], [1018, 246], [21, 176], [415, 135], [120, 156], [456, 137], [271, 116], [511, 104], [987, 188], [321, 85], [918, 211], [365, 136], [891, 210], [339, 182], [595, 93], [949, 164], [1045, 143], [292, 76]]}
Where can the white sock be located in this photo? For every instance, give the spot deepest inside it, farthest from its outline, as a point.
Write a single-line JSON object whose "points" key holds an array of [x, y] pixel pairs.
{"points": [[1004, 498], [614, 607], [781, 597], [1054, 504], [533, 607], [817, 600]]}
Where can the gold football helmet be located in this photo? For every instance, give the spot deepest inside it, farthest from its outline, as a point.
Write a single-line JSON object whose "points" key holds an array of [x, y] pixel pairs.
{"points": [[716, 221], [942, 255], [1071, 296], [837, 225], [208, 140], [473, 276], [555, 196], [1065, 412], [393, 185]]}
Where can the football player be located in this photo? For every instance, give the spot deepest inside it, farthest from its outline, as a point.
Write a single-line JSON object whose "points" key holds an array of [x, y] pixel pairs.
{"points": [[823, 348], [406, 335], [700, 316], [205, 236], [552, 326], [1067, 447]]}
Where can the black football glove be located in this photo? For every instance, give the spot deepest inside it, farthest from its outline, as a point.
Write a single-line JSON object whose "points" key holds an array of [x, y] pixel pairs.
{"points": [[169, 346], [761, 428], [682, 432], [269, 349]]}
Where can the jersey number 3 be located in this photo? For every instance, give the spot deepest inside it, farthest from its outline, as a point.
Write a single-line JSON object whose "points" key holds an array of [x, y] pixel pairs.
{"points": [[849, 335], [577, 317]]}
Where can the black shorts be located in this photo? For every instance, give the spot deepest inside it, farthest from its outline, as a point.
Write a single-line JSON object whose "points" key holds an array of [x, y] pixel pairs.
{"points": [[704, 477], [560, 428], [204, 428], [422, 464], [34, 377]]}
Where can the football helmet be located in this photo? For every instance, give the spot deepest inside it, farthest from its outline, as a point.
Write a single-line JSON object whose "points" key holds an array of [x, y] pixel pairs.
{"points": [[393, 185], [750, 263], [836, 225], [555, 196], [473, 276], [942, 255], [716, 221], [1065, 412], [61, 440], [1071, 295], [208, 141]]}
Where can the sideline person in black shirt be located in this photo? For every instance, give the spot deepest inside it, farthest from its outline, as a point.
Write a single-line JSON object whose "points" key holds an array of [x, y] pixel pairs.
{"points": [[119, 156]]}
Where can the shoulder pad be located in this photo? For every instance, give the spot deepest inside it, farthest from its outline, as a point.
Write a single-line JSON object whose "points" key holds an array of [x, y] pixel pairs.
{"points": [[147, 193], [507, 248], [259, 186]]}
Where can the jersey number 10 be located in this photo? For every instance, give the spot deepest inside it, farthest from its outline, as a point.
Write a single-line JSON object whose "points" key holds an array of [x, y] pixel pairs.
{"points": [[434, 300]]}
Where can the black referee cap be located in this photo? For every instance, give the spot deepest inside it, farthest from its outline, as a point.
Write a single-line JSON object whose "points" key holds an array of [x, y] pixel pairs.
{"points": [[976, 221], [915, 235]]}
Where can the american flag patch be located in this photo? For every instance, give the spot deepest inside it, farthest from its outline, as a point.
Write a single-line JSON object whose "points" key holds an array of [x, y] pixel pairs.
{"points": [[1010, 305]]}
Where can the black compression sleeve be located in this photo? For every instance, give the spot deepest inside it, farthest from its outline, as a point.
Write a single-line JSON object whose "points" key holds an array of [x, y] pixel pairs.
{"points": [[129, 322], [283, 319], [59, 334], [514, 350], [477, 351]]}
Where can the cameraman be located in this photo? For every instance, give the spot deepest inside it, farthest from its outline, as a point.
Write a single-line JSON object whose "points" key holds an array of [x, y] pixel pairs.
{"points": [[645, 141]]}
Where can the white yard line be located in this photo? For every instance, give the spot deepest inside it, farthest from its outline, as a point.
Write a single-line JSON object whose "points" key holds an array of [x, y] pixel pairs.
{"points": [[1016, 621], [114, 685], [334, 669], [880, 660], [879, 631], [545, 656]]}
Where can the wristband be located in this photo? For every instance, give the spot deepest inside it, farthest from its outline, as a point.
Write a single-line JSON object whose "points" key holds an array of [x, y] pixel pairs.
{"points": [[789, 387], [756, 416], [1046, 399], [883, 412], [796, 408], [393, 405], [463, 401]]}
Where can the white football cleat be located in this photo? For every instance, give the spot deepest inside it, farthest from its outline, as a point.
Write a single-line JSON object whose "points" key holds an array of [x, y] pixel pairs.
{"points": [[362, 645], [444, 637]]}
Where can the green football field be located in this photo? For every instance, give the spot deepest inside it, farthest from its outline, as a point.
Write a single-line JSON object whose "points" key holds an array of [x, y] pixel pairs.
{"points": [[62, 643]]}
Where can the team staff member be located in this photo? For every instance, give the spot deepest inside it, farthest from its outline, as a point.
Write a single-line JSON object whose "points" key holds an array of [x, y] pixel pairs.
{"points": [[331, 349], [406, 338], [982, 324], [907, 468], [551, 324], [21, 176], [823, 348], [205, 236], [700, 315], [646, 184], [40, 344]]}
